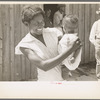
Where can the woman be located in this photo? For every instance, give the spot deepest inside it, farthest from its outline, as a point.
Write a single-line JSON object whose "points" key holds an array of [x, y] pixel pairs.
{"points": [[40, 46]]}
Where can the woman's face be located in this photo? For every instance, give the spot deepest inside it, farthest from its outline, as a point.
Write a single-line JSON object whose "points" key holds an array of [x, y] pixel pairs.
{"points": [[36, 25]]}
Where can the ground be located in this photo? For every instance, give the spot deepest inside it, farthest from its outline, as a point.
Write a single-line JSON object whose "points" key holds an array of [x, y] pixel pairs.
{"points": [[85, 72]]}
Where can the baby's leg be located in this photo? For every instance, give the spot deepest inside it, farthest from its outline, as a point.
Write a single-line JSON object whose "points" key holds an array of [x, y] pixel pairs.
{"points": [[65, 71]]}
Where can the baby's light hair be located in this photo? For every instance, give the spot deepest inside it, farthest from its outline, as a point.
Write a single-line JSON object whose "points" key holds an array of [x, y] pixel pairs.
{"points": [[71, 21]]}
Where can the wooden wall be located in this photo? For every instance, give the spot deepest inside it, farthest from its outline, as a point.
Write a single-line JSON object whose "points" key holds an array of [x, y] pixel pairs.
{"points": [[16, 68]]}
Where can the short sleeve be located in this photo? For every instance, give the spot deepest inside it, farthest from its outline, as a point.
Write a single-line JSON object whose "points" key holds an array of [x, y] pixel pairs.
{"points": [[21, 44]]}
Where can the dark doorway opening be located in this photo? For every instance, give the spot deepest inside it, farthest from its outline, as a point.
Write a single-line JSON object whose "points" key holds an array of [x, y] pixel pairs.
{"points": [[52, 7]]}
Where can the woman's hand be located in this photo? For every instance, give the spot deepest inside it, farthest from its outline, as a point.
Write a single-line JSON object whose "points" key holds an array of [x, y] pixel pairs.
{"points": [[75, 44]]}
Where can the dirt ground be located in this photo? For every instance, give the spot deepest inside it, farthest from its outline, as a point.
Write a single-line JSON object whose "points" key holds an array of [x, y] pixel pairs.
{"points": [[85, 72]]}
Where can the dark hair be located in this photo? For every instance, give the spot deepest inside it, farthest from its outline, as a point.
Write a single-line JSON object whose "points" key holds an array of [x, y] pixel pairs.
{"points": [[29, 12]]}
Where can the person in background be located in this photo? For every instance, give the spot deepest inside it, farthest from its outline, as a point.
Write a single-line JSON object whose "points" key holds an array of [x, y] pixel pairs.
{"points": [[58, 16], [47, 19], [40, 45], [95, 40], [70, 23]]}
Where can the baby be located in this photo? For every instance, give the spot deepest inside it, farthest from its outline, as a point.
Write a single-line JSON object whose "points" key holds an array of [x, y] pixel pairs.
{"points": [[70, 23]]}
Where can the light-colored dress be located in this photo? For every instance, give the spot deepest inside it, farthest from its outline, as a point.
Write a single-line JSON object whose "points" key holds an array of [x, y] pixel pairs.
{"points": [[64, 43], [45, 52]]}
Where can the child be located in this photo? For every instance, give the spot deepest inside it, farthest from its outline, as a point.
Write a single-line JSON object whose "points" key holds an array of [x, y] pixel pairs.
{"points": [[95, 40], [70, 23]]}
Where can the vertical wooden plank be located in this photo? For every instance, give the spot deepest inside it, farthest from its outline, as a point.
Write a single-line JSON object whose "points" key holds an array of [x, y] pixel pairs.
{"points": [[23, 57], [6, 53], [28, 70], [0, 21], [87, 31], [76, 9], [17, 36], [67, 9], [33, 72], [70, 8], [0, 44], [12, 52], [76, 12], [81, 29], [93, 15]]}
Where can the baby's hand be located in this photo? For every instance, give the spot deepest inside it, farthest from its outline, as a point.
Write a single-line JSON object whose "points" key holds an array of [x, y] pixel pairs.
{"points": [[72, 59]]}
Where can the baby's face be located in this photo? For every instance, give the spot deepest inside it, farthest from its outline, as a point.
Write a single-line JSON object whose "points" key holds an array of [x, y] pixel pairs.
{"points": [[67, 29]]}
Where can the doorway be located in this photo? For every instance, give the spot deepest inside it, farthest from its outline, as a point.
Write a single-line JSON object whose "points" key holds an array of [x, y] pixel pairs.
{"points": [[52, 7]]}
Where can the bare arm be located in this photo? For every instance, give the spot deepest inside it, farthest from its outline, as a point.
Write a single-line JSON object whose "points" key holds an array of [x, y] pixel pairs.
{"points": [[76, 53], [49, 63]]}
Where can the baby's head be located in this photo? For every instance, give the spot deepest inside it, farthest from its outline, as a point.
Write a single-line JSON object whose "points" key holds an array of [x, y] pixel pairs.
{"points": [[70, 23], [29, 12]]}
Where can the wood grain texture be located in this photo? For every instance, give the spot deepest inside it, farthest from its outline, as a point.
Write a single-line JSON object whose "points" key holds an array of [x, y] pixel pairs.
{"points": [[81, 30], [17, 33], [87, 32], [92, 20], [0, 44], [6, 42]]}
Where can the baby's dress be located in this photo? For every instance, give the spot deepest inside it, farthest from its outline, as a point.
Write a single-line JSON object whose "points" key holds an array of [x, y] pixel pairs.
{"points": [[64, 43]]}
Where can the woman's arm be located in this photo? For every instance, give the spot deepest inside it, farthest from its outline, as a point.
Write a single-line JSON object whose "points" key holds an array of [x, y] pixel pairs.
{"points": [[49, 63]]}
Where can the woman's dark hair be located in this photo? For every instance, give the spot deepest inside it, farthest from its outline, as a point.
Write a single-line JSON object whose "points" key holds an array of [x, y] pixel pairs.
{"points": [[29, 12]]}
